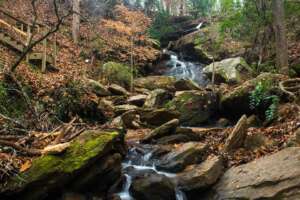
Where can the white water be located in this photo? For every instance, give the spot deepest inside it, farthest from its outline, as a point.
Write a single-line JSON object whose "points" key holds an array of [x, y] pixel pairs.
{"points": [[143, 159], [185, 70]]}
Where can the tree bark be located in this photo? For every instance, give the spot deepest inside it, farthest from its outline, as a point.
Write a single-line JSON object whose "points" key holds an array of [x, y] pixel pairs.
{"points": [[76, 21], [280, 36]]}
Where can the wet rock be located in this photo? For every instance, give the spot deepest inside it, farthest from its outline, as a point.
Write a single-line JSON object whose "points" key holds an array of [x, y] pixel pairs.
{"points": [[155, 186], [236, 102], [117, 73], [187, 154], [155, 82], [175, 139], [231, 70], [137, 100], [97, 88], [120, 109], [158, 117], [89, 160], [157, 98], [163, 130], [117, 90], [195, 107], [237, 136], [272, 177], [197, 178], [183, 84]]}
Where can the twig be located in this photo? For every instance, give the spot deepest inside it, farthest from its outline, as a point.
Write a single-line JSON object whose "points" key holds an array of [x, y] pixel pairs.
{"points": [[11, 120], [31, 152], [64, 131]]}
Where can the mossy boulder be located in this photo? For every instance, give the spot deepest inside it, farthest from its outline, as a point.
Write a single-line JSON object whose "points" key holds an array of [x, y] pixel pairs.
{"points": [[97, 88], [237, 102], [155, 82], [117, 73], [50, 174], [230, 70], [195, 107]]}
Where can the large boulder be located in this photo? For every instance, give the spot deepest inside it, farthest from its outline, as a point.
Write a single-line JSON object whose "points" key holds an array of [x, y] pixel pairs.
{"points": [[117, 73], [272, 177], [237, 102], [137, 100], [197, 178], [155, 82], [230, 70], [158, 117], [195, 107], [186, 84], [157, 98], [154, 186], [186, 154], [91, 159]]}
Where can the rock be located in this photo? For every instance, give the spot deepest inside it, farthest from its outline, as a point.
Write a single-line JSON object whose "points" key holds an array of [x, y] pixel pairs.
{"points": [[272, 177], [157, 98], [236, 102], [155, 186], [117, 122], [156, 82], [294, 140], [195, 107], [131, 119], [223, 122], [73, 196], [107, 107], [89, 160], [256, 141], [120, 109], [117, 90], [187, 154], [199, 177], [97, 88], [165, 129], [183, 84], [253, 121], [231, 70], [237, 136], [117, 73], [137, 100], [175, 139], [158, 117]]}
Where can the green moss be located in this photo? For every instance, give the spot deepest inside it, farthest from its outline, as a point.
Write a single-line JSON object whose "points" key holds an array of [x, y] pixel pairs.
{"points": [[88, 146]]}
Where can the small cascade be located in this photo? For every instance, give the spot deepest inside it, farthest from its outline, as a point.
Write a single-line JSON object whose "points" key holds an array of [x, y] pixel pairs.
{"points": [[185, 70], [138, 162]]}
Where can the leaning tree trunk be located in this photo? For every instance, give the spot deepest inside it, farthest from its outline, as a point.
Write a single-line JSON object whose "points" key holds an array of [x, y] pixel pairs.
{"points": [[76, 20], [280, 36]]}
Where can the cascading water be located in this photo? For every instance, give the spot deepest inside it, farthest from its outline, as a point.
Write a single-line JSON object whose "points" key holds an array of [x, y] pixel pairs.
{"points": [[185, 70]]}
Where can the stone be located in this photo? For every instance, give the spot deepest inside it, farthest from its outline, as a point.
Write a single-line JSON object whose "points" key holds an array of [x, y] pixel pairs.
{"points": [[195, 107], [157, 98], [158, 117], [199, 177], [186, 84], [256, 141], [223, 122], [156, 82], [120, 109], [237, 136], [97, 88], [175, 139], [137, 100], [275, 176], [89, 160], [163, 130], [131, 119], [253, 121], [187, 154], [107, 107], [117, 90], [230, 70], [154, 186], [117, 73], [236, 102]]}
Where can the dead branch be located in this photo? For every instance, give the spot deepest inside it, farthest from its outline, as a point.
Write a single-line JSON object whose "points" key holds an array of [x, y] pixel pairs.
{"points": [[65, 130], [30, 152], [11, 120]]}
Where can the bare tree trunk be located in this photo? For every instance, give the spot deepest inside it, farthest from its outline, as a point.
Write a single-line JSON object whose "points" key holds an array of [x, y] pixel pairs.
{"points": [[280, 36], [76, 20]]}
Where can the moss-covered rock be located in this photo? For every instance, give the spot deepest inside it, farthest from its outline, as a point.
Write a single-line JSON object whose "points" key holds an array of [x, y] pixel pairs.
{"points": [[155, 82], [194, 106], [237, 102], [117, 73], [97, 88], [52, 173]]}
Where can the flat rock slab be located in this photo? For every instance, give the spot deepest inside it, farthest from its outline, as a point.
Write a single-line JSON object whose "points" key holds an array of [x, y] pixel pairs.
{"points": [[272, 177]]}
